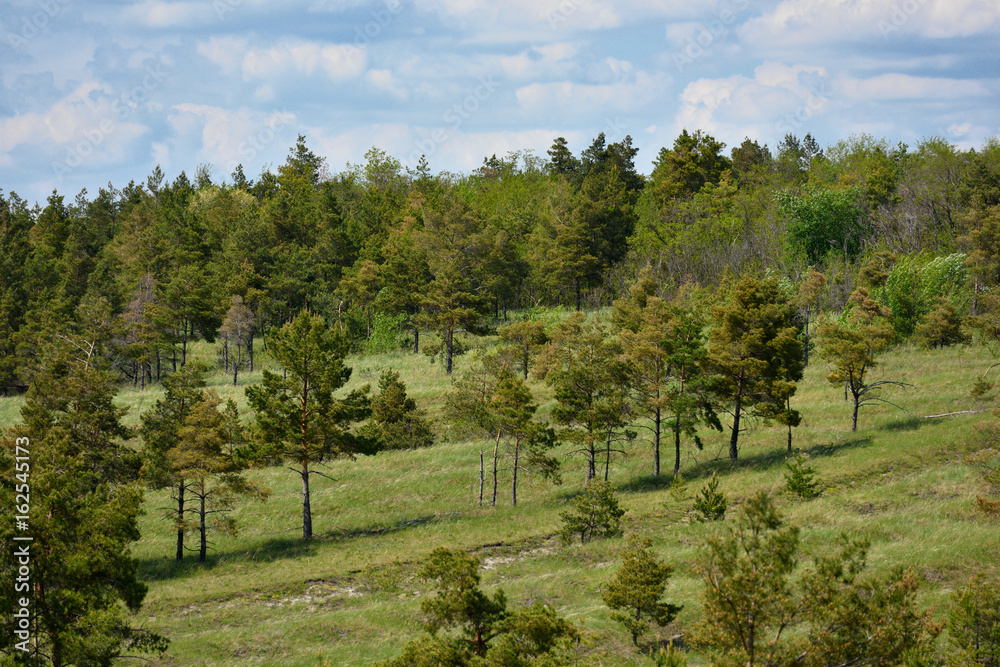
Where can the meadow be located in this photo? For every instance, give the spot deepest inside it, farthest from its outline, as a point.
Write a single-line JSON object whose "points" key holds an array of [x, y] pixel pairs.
{"points": [[351, 596]]}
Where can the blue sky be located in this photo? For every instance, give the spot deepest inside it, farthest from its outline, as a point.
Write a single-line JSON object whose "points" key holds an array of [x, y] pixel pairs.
{"points": [[100, 91]]}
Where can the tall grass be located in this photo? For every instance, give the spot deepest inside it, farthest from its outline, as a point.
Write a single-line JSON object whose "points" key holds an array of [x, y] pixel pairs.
{"points": [[266, 597]]}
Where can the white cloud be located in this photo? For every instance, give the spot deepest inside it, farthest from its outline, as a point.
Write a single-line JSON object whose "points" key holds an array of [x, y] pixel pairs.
{"points": [[778, 99], [88, 120], [574, 98], [227, 52], [893, 86], [798, 23], [383, 80], [157, 14], [304, 58], [226, 137]]}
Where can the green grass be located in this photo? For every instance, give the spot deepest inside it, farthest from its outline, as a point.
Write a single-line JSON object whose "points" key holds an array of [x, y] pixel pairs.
{"points": [[265, 597]]}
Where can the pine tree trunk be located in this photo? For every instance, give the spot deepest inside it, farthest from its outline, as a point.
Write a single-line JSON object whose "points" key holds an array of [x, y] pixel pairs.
{"points": [[180, 521], [449, 348], [496, 458], [607, 459], [513, 483], [734, 452], [677, 445], [482, 475], [656, 440], [591, 461], [307, 526], [203, 550]]}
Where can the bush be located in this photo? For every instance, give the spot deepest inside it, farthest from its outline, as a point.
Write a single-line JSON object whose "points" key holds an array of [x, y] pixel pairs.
{"points": [[974, 624], [800, 478], [711, 503], [634, 592], [596, 513], [396, 421]]}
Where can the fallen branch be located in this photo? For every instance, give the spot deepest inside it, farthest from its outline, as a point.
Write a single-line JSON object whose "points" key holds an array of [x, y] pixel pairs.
{"points": [[952, 414]]}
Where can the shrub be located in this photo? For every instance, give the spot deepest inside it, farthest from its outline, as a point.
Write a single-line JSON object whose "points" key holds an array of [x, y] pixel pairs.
{"points": [[974, 624], [800, 478], [634, 592], [711, 503], [596, 513]]}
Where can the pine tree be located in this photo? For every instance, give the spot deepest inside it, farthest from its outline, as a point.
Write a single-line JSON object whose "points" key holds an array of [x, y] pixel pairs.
{"points": [[84, 510], [298, 419], [161, 435], [596, 513], [396, 421], [753, 347], [852, 346], [634, 593], [584, 366], [213, 464]]}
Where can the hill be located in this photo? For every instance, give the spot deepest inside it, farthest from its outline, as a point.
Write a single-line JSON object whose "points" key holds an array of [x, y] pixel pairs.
{"points": [[351, 595]]}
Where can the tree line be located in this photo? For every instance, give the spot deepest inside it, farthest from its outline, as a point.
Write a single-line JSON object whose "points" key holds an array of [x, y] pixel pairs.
{"points": [[378, 246]]}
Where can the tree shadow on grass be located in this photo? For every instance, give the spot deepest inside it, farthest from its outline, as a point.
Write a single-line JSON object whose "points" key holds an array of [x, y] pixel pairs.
{"points": [[760, 461], [907, 423], [274, 549]]}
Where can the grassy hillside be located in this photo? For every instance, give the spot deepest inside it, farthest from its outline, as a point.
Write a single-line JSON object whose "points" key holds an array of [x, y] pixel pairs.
{"points": [[267, 598]]}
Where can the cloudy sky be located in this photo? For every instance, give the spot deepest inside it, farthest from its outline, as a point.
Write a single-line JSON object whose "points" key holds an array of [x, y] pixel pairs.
{"points": [[98, 91]]}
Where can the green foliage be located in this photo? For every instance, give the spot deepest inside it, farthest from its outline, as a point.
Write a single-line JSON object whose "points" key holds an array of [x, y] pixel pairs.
{"points": [[710, 503], [754, 352], [825, 221], [915, 284], [85, 503], [396, 421], [756, 613], [800, 478], [522, 341], [941, 327], [385, 334], [664, 346], [669, 657], [852, 346], [635, 590], [297, 417], [596, 513], [974, 624], [488, 634], [583, 363]]}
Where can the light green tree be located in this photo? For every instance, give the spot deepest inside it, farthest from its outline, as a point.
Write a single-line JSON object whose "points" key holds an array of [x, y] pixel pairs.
{"points": [[635, 591]]}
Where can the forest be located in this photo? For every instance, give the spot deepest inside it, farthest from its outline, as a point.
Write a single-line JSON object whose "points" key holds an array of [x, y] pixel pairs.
{"points": [[558, 347]]}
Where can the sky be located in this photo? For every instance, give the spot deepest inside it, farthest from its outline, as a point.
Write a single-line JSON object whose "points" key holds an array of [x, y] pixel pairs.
{"points": [[94, 92]]}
